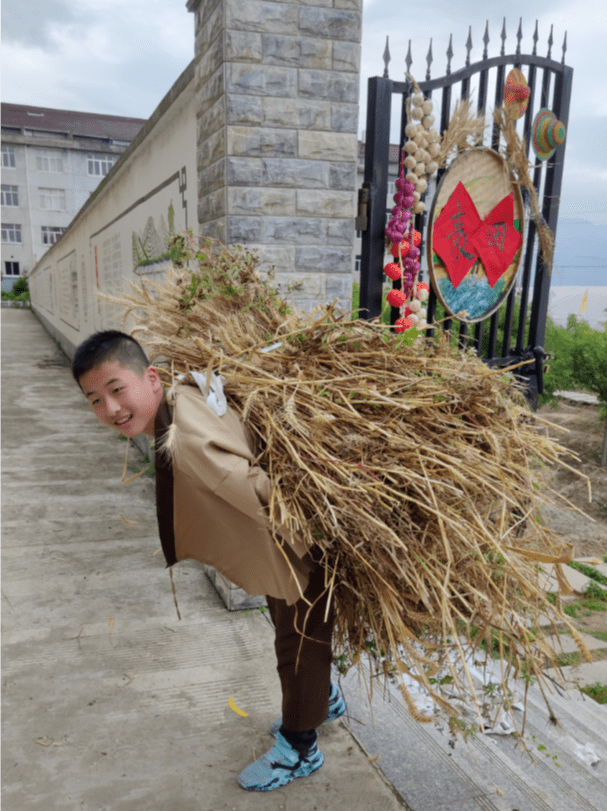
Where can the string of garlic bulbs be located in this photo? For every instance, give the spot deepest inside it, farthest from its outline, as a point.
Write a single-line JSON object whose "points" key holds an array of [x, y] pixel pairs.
{"points": [[422, 146]]}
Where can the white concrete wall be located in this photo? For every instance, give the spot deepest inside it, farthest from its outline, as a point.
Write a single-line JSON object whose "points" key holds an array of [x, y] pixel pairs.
{"points": [[96, 252]]}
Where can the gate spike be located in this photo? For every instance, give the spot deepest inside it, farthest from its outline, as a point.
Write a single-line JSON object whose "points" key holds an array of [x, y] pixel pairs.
{"points": [[519, 36], [550, 41], [486, 40], [468, 45], [409, 58], [503, 38], [564, 48], [536, 36], [386, 57], [429, 59], [449, 54]]}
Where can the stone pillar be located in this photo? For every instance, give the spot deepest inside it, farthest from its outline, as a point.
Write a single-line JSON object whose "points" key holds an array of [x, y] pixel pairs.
{"points": [[277, 106]]}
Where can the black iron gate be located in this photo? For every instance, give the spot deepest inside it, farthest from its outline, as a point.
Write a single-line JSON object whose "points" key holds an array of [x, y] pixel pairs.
{"points": [[550, 86]]}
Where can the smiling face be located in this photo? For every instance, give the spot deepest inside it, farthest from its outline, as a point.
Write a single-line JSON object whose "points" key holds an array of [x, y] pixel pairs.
{"points": [[121, 399]]}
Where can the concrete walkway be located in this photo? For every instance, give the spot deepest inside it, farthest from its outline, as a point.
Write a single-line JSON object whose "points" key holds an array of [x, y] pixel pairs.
{"points": [[110, 703]]}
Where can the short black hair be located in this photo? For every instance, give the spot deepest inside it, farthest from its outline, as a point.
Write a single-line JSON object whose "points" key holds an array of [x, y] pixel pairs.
{"points": [[110, 345]]}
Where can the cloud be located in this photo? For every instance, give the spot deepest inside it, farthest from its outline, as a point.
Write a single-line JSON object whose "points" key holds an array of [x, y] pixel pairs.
{"points": [[28, 23], [121, 58]]}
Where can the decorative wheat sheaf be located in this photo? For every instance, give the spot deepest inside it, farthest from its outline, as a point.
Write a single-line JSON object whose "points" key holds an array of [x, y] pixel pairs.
{"points": [[415, 470]]}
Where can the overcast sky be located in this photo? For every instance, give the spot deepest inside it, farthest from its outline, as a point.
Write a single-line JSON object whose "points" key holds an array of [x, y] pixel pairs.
{"points": [[122, 56]]}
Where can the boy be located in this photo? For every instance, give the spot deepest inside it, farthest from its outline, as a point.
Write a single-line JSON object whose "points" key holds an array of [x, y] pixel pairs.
{"points": [[210, 501]]}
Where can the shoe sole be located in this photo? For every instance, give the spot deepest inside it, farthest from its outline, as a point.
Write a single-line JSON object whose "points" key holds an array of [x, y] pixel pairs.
{"points": [[281, 785]]}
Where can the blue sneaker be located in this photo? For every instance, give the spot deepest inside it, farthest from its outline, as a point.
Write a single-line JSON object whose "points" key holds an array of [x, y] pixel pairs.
{"points": [[337, 707], [280, 766]]}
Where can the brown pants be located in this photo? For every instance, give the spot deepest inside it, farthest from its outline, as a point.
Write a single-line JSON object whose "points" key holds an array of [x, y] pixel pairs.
{"points": [[303, 651]]}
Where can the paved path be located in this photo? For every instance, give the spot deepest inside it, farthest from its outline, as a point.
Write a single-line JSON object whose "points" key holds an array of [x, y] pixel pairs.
{"points": [[110, 703], [586, 397]]}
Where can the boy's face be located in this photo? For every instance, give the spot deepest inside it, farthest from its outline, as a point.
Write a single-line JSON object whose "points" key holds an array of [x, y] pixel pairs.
{"points": [[121, 399]]}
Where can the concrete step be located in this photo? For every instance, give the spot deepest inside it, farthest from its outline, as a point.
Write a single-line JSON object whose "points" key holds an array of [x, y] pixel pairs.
{"points": [[429, 769], [577, 580]]}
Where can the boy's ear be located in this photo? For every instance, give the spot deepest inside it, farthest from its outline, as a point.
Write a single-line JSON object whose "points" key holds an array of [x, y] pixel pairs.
{"points": [[154, 378]]}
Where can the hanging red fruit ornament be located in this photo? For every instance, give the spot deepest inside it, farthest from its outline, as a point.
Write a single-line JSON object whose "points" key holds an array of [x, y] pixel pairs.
{"points": [[396, 298], [402, 324], [392, 271], [402, 248], [405, 248]]}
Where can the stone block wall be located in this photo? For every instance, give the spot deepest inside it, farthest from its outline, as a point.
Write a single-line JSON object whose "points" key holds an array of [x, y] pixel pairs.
{"points": [[277, 87]]}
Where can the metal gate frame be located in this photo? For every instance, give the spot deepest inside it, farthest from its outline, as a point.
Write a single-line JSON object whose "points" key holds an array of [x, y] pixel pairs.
{"points": [[547, 180]]}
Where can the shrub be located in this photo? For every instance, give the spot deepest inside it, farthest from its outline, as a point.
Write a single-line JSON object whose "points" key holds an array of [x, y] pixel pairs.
{"points": [[20, 286], [578, 359]]}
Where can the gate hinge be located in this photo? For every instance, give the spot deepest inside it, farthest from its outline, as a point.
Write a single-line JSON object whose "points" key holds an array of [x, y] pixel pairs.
{"points": [[363, 203]]}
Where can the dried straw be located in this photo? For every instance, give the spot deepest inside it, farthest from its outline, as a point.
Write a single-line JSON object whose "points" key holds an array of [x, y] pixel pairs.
{"points": [[414, 470], [516, 156], [465, 130]]}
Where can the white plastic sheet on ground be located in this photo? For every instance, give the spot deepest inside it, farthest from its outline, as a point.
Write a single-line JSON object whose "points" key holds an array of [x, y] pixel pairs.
{"points": [[495, 707]]}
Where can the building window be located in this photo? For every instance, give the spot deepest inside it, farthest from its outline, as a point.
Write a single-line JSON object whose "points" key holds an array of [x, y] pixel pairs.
{"points": [[8, 156], [48, 160], [11, 268], [357, 262], [51, 234], [100, 164], [10, 195], [52, 199], [11, 232]]}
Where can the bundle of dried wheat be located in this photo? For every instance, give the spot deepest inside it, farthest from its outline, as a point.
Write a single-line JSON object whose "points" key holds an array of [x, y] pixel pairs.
{"points": [[516, 156], [413, 469]]}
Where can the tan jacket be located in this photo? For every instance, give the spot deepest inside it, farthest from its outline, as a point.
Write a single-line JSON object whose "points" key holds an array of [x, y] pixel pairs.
{"points": [[210, 502]]}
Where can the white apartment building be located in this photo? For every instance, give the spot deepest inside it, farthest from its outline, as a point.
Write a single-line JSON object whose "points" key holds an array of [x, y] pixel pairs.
{"points": [[52, 161]]}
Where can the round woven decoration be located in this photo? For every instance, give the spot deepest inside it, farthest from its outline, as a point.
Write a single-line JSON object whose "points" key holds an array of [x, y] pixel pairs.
{"points": [[548, 133], [478, 291], [516, 93]]}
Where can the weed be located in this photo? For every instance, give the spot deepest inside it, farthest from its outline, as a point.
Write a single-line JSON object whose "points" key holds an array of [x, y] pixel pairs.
{"points": [[149, 471], [459, 725], [572, 610], [444, 680], [595, 592], [543, 749], [595, 599], [589, 571], [341, 663], [602, 635], [596, 691]]}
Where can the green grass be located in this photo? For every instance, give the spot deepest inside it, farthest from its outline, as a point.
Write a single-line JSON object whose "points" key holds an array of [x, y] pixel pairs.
{"points": [[589, 571], [574, 659], [595, 599], [596, 691], [602, 635]]}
